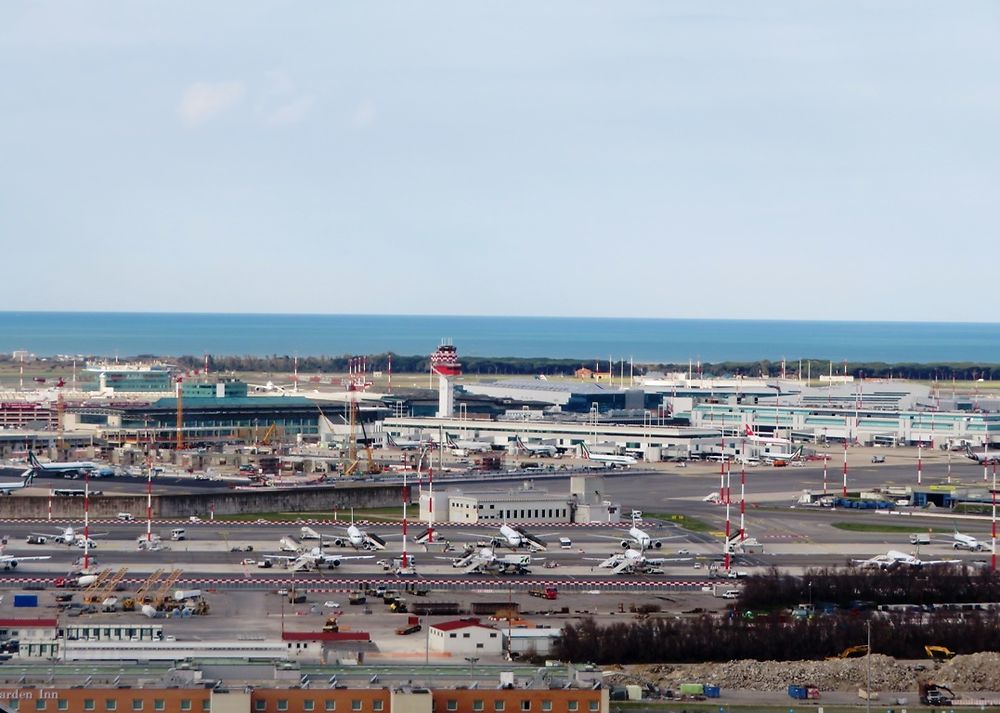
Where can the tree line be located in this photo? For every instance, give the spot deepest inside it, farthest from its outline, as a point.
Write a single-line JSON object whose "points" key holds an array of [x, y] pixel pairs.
{"points": [[412, 364], [775, 638], [845, 587]]}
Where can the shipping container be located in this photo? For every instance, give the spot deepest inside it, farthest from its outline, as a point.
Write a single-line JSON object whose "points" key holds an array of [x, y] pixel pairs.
{"points": [[25, 600]]}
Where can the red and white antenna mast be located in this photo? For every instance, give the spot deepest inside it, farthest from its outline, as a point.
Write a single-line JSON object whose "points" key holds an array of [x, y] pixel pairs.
{"points": [[430, 500], [743, 495], [86, 520], [405, 563]]}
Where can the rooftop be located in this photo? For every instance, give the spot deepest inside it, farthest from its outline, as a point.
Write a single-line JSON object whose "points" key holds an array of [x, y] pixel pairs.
{"points": [[459, 624]]}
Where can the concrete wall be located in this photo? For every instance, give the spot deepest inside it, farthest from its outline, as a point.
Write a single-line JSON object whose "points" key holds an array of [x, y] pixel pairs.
{"points": [[201, 504]]}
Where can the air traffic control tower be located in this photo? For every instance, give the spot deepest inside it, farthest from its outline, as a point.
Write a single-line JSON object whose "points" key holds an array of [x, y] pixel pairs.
{"points": [[444, 363]]}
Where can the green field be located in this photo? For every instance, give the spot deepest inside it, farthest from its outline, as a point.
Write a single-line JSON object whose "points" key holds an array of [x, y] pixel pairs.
{"points": [[688, 523], [875, 527], [393, 514]]}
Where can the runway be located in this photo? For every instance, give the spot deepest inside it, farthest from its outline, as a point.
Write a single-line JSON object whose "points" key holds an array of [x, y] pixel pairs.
{"points": [[794, 537]]}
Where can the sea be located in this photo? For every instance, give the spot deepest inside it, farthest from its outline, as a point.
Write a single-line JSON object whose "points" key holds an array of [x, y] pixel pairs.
{"points": [[121, 334]]}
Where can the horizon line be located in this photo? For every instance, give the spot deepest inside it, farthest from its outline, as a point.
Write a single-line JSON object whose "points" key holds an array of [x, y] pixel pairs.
{"points": [[489, 316]]}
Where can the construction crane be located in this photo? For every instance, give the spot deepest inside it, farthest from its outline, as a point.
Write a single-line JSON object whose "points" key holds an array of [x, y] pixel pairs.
{"points": [[60, 423], [373, 467], [180, 415], [351, 463], [107, 588], [90, 593], [129, 603], [163, 591]]}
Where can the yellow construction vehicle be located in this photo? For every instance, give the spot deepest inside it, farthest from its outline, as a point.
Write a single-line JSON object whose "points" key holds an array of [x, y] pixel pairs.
{"points": [[939, 653], [852, 652]]}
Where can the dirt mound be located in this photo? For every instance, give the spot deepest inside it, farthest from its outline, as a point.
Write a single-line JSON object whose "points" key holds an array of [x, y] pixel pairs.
{"points": [[976, 672]]}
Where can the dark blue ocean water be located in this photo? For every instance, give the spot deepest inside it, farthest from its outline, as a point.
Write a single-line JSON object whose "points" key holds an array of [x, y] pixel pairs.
{"points": [[645, 340]]}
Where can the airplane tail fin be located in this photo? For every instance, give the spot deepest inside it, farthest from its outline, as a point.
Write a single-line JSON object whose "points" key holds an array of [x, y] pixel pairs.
{"points": [[29, 478], [747, 430], [390, 439], [519, 443], [586, 451], [33, 460]]}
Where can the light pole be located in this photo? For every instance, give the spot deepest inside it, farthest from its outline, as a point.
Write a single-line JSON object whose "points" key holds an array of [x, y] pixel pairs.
{"points": [[868, 670]]}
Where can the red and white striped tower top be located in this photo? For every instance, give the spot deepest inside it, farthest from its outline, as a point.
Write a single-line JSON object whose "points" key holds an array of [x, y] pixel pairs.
{"points": [[444, 361]]}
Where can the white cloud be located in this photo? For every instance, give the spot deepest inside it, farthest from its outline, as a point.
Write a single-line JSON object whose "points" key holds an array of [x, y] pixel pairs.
{"points": [[364, 115], [291, 113], [205, 100]]}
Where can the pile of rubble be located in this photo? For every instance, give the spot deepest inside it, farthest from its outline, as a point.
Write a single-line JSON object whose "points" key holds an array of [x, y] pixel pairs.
{"points": [[976, 672]]}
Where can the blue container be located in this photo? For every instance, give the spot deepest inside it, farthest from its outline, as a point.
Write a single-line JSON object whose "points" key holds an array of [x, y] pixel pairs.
{"points": [[25, 600], [712, 691], [798, 692]]}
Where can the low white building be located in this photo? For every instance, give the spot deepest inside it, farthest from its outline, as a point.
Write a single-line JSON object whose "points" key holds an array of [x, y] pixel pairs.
{"points": [[532, 641], [586, 501], [465, 637]]}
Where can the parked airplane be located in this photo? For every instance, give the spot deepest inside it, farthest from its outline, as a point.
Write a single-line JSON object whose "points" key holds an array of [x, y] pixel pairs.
{"points": [[405, 445], [79, 467], [316, 558], [638, 539], [269, 387], [633, 561], [69, 536], [469, 446], [25, 482], [967, 542], [608, 460], [895, 558], [984, 458], [11, 561], [485, 559], [752, 437], [773, 458], [536, 449], [355, 537]]}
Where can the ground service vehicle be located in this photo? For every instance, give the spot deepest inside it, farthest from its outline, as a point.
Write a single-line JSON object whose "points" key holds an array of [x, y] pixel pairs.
{"points": [[803, 692], [547, 593], [931, 694]]}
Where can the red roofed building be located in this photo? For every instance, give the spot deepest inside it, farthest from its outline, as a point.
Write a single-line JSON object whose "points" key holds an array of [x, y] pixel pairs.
{"points": [[465, 637], [317, 644], [37, 637]]}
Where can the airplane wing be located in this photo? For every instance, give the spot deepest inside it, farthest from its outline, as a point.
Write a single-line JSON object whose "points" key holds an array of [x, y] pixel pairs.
{"points": [[664, 560], [928, 562], [334, 558], [16, 558]]}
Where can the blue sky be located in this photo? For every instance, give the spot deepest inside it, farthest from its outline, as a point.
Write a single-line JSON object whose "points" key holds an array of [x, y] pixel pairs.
{"points": [[817, 160]]}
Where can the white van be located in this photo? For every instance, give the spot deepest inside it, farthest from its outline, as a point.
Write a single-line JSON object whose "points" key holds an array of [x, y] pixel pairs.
{"points": [[731, 594], [125, 516], [178, 533], [565, 543]]}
